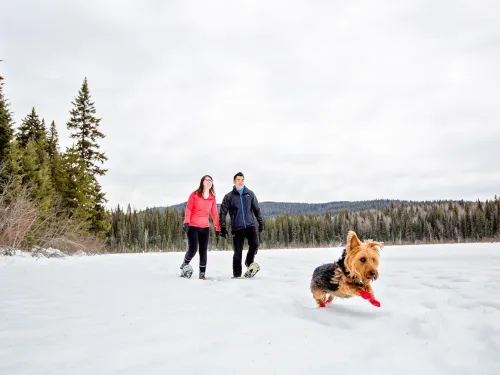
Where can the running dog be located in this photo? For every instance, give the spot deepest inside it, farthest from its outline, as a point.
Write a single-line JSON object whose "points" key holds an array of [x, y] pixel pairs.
{"points": [[351, 275]]}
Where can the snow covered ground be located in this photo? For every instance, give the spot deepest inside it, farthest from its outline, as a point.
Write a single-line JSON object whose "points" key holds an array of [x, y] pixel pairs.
{"points": [[132, 314]]}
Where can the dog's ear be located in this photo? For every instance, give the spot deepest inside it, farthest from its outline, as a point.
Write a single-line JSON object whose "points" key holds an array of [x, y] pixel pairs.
{"points": [[352, 241], [376, 245]]}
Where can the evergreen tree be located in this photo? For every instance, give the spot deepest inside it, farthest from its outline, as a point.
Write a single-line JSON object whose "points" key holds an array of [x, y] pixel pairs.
{"points": [[84, 127], [52, 140], [99, 221], [13, 167], [55, 159], [6, 131], [35, 172], [32, 128], [76, 184]]}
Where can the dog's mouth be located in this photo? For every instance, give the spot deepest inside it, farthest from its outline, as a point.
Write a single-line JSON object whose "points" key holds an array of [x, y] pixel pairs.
{"points": [[372, 276]]}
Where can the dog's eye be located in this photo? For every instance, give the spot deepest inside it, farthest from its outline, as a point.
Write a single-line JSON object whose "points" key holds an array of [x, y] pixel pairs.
{"points": [[363, 260]]}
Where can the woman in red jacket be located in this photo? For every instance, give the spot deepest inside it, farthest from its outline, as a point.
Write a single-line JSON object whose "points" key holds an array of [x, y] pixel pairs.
{"points": [[200, 204]]}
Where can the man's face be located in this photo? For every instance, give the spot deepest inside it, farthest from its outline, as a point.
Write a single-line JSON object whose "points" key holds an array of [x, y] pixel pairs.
{"points": [[239, 182]]}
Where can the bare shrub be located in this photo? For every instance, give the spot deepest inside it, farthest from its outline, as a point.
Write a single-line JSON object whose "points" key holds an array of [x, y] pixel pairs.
{"points": [[18, 214], [24, 224]]}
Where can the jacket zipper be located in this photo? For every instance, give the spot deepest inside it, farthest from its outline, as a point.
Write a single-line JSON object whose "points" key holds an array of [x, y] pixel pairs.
{"points": [[243, 210]]}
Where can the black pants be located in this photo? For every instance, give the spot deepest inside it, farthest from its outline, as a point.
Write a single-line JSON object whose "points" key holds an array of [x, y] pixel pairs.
{"points": [[239, 236], [197, 236]]}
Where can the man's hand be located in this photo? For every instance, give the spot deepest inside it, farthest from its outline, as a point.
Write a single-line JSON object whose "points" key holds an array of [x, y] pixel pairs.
{"points": [[261, 228], [223, 232], [217, 233]]}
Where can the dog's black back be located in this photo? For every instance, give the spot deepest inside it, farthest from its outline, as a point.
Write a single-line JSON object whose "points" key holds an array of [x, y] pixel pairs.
{"points": [[323, 276], [328, 275]]}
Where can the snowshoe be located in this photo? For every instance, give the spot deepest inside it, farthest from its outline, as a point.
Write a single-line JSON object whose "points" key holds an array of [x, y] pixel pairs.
{"points": [[252, 270], [187, 271]]}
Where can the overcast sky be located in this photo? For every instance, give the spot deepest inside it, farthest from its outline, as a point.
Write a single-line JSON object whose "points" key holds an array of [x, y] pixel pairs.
{"points": [[314, 101]]}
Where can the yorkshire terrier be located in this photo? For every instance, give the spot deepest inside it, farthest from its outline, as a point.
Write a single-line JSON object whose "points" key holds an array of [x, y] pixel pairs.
{"points": [[351, 275]]}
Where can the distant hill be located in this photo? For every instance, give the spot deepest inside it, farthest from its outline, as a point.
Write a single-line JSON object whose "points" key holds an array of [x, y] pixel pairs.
{"points": [[278, 208]]}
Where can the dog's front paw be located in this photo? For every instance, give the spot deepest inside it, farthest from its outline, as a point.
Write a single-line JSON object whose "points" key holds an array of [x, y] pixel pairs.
{"points": [[365, 295], [370, 297]]}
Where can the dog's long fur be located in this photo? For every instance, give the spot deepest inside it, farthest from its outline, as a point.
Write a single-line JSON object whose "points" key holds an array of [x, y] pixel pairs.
{"points": [[353, 271]]}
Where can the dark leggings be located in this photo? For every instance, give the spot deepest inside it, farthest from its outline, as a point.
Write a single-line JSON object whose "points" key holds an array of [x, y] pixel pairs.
{"points": [[197, 236]]}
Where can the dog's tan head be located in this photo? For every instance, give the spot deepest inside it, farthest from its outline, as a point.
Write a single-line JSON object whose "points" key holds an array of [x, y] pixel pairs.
{"points": [[362, 257]]}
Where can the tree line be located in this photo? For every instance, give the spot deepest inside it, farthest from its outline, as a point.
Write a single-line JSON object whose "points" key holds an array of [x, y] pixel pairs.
{"points": [[405, 223]]}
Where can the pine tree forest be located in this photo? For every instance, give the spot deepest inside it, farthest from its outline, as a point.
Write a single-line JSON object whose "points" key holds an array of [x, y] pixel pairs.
{"points": [[50, 197], [438, 222]]}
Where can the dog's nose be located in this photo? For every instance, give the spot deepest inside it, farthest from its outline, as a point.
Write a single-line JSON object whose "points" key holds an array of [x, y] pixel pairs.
{"points": [[372, 273]]}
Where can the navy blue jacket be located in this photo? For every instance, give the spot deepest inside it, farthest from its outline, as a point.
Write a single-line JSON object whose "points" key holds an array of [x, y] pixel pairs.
{"points": [[240, 209]]}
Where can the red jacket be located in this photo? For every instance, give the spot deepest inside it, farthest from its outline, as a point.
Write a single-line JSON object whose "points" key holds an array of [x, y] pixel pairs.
{"points": [[197, 210]]}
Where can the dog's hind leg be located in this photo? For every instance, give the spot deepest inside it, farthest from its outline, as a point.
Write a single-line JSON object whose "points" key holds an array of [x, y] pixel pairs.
{"points": [[318, 295]]}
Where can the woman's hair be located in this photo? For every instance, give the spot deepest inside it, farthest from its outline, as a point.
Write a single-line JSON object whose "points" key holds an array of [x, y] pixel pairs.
{"points": [[199, 191]]}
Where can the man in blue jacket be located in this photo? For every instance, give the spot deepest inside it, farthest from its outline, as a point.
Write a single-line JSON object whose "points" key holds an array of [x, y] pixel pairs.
{"points": [[241, 204]]}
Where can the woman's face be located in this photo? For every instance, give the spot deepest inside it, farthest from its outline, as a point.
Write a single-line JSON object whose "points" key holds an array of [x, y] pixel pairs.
{"points": [[207, 183]]}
